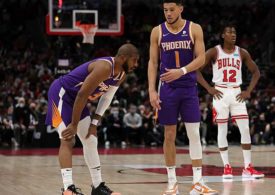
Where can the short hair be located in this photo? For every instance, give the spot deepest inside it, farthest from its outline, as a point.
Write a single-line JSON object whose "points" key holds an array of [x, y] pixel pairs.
{"points": [[227, 25], [127, 49], [178, 2]]}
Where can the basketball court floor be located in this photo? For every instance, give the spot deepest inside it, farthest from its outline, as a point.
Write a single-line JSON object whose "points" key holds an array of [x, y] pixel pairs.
{"points": [[132, 171]]}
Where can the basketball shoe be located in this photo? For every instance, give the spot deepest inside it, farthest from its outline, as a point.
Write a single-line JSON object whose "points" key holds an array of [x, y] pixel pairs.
{"points": [[71, 190], [227, 172], [171, 191], [102, 189], [200, 188], [251, 172]]}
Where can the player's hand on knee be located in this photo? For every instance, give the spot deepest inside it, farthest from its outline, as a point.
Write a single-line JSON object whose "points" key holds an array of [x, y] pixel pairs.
{"points": [[92, 131], [69, 132]]}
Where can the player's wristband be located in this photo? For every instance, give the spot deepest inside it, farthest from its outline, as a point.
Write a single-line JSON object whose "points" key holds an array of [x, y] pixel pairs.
{"points": [[95, 122], [184, 70]]}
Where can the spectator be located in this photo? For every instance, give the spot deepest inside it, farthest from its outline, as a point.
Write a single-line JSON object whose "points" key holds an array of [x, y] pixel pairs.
{"points": [[21, 119], [133, 126], [115, 133]]}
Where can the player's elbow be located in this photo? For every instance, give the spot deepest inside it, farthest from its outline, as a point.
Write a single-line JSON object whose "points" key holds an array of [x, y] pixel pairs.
{"points": [[257, 73]]}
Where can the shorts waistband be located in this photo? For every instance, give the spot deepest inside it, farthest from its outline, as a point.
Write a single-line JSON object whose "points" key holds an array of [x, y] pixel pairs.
{"points": [[225, 86]]}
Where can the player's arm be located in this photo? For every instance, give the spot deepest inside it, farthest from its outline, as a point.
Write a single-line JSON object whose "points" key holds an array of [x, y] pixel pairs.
{"points": [[105, 101], [103, 104], [99, 71], [199, 53], [199, 49], [153, 68], [210, 56], [253, 68]]}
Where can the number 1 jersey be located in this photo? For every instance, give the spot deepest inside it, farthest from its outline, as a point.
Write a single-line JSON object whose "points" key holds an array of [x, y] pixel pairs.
{"points": [[176, 51]]}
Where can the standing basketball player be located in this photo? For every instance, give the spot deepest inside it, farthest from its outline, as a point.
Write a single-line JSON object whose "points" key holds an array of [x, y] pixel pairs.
{"points": [[227, 60], [175, 42], [67, 111]]}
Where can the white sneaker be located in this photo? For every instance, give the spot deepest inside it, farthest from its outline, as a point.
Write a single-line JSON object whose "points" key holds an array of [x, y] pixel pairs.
{"points": [[172, 191], [200, 188]]}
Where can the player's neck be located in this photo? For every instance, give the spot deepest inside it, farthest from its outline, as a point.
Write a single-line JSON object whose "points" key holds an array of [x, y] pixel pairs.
{"points": [[228, 47], [117, 66], [177, 25]]}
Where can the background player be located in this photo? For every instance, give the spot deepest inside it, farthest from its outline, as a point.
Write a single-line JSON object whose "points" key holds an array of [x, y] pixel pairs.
{"points": [[176, 41], [67, 110], [227, 60]]}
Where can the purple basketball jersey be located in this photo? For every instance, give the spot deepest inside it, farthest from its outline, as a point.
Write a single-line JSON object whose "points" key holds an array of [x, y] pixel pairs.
{"points": [[176, 51], [63, 91], [180, 97], [73, 81]]}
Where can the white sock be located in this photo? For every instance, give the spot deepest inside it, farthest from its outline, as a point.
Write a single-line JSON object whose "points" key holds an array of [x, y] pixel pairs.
{"points": [[96, 176], [224, 155], [67, 176], [247, 157], [197, 174], [172, 179]]}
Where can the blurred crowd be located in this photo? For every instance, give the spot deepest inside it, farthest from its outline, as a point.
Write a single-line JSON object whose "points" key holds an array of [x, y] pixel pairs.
{"points": [[28, 61]]}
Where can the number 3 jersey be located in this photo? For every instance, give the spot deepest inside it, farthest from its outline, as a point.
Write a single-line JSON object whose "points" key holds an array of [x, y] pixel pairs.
{"points": [[227, 69], [176, 51]]}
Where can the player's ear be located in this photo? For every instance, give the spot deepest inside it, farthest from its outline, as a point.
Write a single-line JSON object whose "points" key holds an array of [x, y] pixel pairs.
{"points": [[222, 36], [123, 58], [181, 8]]}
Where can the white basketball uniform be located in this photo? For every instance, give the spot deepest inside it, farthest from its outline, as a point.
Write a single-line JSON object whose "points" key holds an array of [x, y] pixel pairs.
{"points": [[227, 76]]}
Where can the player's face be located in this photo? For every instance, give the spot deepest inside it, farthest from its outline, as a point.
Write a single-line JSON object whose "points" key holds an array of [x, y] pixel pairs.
{"points": [[230, 35], [130, 64], [172, 12]]}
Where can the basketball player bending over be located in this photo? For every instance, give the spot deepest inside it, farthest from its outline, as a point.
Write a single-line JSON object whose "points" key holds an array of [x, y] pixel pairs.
{"points": [[227, 60], [175, 43], [67, 111]]}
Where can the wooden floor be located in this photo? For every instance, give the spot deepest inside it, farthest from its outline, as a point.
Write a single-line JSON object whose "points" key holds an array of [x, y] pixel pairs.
{"points": [[132, 171]]}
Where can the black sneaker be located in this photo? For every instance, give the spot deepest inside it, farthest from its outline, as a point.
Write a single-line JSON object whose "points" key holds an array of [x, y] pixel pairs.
{"points": [[102, 189], [72, 190]]}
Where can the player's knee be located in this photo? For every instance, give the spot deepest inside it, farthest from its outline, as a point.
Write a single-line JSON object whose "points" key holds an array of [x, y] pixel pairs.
{"points": [[245, 135], [194, 136], [90, 142], [194, 144], [170, 136], [67, 143], [193, 132], [195, 150]]}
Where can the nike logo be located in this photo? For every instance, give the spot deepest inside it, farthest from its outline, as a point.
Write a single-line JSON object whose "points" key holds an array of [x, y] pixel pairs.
{"points": [[164, 35]]}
